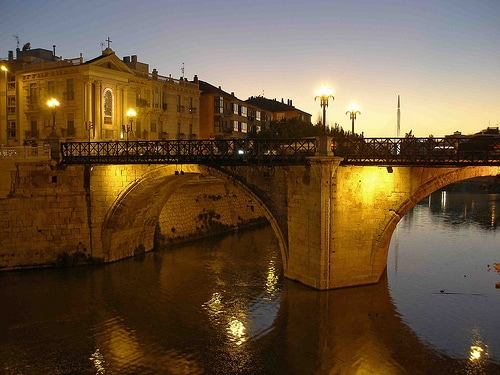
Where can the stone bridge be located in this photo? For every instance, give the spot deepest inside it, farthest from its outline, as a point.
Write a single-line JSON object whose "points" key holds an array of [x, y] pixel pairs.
{"points": [[333, 222]]}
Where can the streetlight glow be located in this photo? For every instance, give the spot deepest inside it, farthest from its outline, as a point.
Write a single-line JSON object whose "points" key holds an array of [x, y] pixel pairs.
{"points": [[353, 111], [131, 115], [324, 94], [53, 103]]}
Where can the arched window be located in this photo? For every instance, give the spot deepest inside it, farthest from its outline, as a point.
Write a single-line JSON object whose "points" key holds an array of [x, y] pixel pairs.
{"points": [[108, 106]]}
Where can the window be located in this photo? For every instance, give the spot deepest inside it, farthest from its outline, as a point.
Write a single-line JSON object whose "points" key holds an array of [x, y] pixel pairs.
{"points": [[11, 105], [218, 125], [108, 106], [219, 104], [70, 89], [156, 98], [178, 102], [51, 87], [33, 132], [235, 125], [244, 127], [71, 125], [243, 111], [235, 109], [33, 98], [257, 115], [11, 129], [191, 109], [152, 126]]}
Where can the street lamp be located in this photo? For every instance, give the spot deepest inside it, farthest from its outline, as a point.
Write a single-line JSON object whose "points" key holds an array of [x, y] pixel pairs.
{"points": [[4, 69], [353, 110], [53, 138], [324, 94], [53, 103], [131, 115]]}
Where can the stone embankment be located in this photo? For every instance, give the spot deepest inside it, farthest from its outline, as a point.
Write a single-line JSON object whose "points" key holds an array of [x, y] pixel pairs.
{"points": [[49, 217]]}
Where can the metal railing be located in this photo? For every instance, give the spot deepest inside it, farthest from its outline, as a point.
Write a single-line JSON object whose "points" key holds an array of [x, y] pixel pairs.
{"points": [[216, 152], [473, 150]]}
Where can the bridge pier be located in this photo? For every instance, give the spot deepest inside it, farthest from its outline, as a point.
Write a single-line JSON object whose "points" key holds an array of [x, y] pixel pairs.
{"points": [[340, 221]]}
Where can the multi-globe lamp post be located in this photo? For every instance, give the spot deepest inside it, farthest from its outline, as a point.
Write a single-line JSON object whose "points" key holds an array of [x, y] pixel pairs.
{"points": [[53, 104], [54, 139], [130, 115], [353, 111], [324, 94]]}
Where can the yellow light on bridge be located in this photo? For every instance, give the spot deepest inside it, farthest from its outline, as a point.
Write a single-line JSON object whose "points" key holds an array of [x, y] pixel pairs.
{"points": [[352, 111], [353, 108], [324, 94]]}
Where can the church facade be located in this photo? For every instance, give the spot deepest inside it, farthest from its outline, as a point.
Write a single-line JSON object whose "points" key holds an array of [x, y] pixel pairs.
{"points": [[102, 99]]}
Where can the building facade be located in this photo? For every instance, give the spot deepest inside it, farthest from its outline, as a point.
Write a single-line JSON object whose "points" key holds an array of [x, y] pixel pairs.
{"points": [[98, 100], [226, 116], [108, 98], [279, 109]]}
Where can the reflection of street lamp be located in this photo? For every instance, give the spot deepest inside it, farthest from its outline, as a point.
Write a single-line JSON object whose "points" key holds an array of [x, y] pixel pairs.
{"points": [[131, 115], [353, 110], [324, 94], [4, 69], [53, 103]]}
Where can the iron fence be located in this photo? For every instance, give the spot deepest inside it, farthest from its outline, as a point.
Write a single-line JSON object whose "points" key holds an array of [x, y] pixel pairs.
{"points": [[219, 152], [474, 150]]}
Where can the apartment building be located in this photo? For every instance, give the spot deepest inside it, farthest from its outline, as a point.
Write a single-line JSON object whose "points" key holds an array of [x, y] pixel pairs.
{"points": [[105, 98], [279, 109], [226, 116]]}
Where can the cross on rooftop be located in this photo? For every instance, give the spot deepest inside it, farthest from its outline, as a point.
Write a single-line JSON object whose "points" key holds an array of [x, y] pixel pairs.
{"points": [[109, 41]]}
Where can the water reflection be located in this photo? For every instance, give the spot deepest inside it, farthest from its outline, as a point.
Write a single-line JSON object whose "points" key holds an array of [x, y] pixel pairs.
{"points": [[457, 208], [440, 277], [221, 306]]}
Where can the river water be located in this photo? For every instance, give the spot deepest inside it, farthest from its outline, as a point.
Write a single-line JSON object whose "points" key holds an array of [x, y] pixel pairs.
{"points": [[221, 306]]}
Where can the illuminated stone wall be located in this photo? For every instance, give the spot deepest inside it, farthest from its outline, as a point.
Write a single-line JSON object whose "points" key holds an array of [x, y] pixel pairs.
{"points": [[44, 218], [333, 223], [67, 216], [207, 206]]}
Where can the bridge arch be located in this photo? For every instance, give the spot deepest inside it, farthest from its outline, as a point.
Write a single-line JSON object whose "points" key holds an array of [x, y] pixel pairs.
{"points": [[130, 220], [431, 180]]}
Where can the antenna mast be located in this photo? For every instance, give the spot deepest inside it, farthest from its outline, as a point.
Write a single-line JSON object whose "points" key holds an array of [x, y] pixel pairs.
{"points": [[182, 70], [399, 120], [17, 38]]}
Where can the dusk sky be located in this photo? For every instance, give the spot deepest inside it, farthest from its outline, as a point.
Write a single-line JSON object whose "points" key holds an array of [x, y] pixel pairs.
{"points": [[442, 57]]}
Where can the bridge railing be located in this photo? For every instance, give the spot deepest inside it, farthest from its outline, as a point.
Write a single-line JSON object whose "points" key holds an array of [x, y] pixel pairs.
{"points": [[474, 150], [220, 152]]}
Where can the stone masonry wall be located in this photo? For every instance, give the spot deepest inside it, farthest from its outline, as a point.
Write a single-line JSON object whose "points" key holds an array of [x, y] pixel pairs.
{"points": [[44, 217], [207, 207]]}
